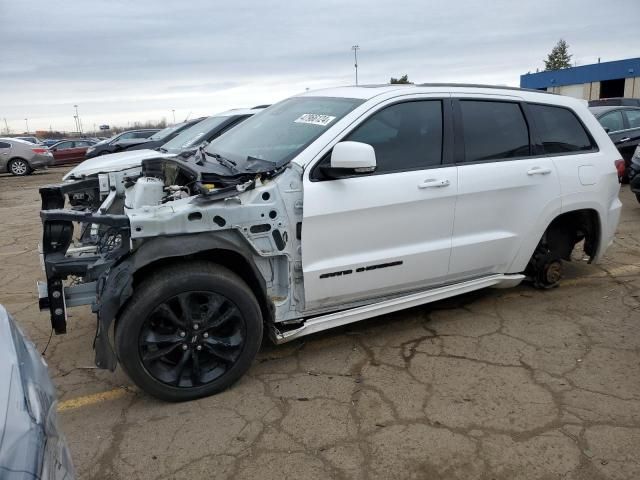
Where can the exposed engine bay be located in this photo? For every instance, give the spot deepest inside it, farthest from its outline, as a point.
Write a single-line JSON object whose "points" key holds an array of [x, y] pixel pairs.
{"points": [[171, 209]]}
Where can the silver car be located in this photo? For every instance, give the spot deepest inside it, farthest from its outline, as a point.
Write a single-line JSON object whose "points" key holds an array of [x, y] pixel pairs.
{"points": [[31, 446], [20, 157]]}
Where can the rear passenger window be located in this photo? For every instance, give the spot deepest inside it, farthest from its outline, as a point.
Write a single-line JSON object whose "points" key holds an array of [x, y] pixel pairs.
{"points": [[5, 145], [633, 117], [559, 130], [612, 121], [405, 136], [493, 130]]}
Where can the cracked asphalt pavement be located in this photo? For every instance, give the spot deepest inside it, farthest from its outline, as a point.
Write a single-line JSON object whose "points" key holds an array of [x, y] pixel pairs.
{"points": [[498, 384]]}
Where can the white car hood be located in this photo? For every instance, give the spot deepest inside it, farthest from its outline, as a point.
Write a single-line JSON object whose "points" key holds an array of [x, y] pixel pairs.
{"points": [[113, 162]]}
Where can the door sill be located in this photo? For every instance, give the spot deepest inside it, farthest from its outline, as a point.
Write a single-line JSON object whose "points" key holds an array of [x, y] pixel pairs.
{"points": [[344, 317]]}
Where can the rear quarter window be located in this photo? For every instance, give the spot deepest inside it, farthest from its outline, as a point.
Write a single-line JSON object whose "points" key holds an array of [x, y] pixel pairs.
{"points": [[5, 145], [559, 130]]}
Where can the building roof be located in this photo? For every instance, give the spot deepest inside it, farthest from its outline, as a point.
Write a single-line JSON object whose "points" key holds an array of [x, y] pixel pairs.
{"points": [[596, 72]]}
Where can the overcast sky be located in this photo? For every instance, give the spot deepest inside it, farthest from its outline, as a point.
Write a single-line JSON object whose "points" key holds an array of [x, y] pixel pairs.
{"points": [[125, 61]]}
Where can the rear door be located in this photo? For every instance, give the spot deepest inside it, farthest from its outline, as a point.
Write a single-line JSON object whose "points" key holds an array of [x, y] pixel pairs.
{"points": [[630, 137], [504, 187], [615, 124], [390, 231]]}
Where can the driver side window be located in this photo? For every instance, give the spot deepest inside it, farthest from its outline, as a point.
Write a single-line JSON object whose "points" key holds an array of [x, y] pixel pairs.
{"points": [[405, 136]]}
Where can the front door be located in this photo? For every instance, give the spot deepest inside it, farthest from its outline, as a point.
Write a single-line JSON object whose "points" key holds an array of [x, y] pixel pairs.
{"points": [[375, 235]]}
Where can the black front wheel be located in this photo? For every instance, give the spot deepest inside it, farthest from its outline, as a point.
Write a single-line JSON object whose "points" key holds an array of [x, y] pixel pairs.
{"points": [[189, 331]]}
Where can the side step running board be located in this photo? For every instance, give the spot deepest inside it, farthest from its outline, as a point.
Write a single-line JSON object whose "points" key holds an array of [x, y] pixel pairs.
{"points": [[344, 317]]}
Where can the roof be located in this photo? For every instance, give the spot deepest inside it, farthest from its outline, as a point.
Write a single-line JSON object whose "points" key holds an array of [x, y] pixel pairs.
{"points": [[584, 74]]}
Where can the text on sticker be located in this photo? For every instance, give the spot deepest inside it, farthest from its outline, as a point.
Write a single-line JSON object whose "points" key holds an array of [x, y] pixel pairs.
{"points": [[315, 119]]}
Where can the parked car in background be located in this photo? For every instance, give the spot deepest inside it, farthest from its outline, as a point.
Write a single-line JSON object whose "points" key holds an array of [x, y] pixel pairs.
{"points": [[47, 142], [328, 208], [615, 101], [163, 136], [30, 139], [623, 126], [20, 157], [70, 151], [119, 142], [184, 144], [634, 173], [31, 444]]}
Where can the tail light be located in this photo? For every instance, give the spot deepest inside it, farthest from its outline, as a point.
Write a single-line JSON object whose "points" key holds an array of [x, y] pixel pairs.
{"points": [[40, 150], [620, 168]]}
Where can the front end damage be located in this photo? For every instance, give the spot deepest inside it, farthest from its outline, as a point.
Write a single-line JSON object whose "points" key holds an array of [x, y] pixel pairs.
{"points": [[172, 211]]}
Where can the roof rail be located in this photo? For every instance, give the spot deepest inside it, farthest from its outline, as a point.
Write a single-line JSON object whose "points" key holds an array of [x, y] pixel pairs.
{"points": [[478, 85]]}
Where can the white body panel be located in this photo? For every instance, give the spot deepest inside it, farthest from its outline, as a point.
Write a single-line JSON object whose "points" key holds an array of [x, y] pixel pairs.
{"points": [[371, 221], [500, 204]]}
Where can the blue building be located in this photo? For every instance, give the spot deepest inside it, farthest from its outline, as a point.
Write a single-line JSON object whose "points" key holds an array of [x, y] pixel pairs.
{"points": [[620, 78]]}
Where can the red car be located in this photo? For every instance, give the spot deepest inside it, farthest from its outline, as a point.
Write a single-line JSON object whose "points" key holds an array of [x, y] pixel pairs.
{"points": [[70, 151]]}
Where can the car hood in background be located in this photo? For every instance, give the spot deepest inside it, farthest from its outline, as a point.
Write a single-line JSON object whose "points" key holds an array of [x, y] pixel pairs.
{"points": [[113, 162]]}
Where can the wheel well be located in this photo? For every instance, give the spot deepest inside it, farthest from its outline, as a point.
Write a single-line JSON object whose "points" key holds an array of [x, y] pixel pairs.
{"points": [[227, 258], [569, 228]]}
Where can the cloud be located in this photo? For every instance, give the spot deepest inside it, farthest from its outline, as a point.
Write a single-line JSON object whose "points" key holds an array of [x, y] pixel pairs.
{"points": [[126, 61]]}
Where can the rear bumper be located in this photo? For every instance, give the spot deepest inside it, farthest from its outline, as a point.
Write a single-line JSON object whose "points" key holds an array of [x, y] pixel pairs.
{"points": [[39, 161]]}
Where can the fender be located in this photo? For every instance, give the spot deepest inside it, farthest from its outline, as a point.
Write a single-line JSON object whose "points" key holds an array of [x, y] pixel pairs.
{"points": [[116, 286]]}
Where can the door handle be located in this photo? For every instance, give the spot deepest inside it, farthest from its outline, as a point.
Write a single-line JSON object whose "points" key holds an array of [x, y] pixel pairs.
{"points": [[539, 171], [622, 140], [434, 183]]}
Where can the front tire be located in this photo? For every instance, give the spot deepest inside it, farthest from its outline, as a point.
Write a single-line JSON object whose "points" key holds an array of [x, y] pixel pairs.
{"points": [[189, 331], [19, 167]]}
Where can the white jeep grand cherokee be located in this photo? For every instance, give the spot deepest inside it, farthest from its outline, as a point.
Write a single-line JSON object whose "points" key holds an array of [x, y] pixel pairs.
{"points": [[328, 208]]}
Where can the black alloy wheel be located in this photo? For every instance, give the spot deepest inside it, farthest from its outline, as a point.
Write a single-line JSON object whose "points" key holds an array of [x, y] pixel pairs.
{"points": [[188, 331], [192, 339]]}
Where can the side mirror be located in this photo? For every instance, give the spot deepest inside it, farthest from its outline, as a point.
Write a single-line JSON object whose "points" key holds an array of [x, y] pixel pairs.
{"points": [[350, 158], [607, 129], [54, 149]]}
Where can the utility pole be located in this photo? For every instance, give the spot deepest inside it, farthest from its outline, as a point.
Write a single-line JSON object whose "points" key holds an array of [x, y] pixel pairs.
{"points": [[78, 120], [174, 116], [26, 122], [355, 49], [6, 126]]}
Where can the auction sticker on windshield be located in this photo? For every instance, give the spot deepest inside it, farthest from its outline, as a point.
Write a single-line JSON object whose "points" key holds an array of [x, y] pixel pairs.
{"points": [[315, 119]]}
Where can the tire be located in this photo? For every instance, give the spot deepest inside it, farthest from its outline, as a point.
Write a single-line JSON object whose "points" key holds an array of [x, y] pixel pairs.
{"points": [[189, 331], [638, 197], [19, 167]]}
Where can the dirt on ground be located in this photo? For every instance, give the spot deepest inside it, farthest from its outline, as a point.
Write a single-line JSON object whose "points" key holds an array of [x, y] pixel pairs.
{"points": [[499, 384]]}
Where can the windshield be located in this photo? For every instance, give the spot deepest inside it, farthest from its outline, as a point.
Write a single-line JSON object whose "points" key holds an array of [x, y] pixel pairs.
{"points": [[194, 135], [279, 133], [165, 132]]}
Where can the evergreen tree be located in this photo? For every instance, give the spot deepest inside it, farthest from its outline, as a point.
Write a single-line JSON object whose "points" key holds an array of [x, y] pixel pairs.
{"points": [[559, 57], [403, 79]]}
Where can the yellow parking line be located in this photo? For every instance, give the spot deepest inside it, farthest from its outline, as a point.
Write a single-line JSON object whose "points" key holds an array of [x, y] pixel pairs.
{"points": [[86, 400]]}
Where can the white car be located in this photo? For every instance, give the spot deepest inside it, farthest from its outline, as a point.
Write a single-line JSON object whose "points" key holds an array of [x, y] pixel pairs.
{"points": [[106, 173], [328, 208]]}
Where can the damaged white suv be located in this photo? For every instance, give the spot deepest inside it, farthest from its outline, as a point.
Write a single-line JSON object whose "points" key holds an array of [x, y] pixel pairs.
{"points": [[328, 208]]}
